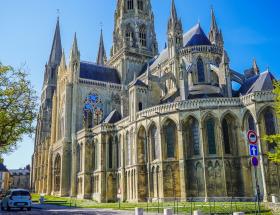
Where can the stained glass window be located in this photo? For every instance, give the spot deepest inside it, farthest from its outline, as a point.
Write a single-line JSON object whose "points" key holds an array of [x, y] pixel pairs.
{"points": [[210, 126], [130, 4], [110, 153], [226, 136], [200, 70], [195, 136], [251, 123], [93, 110]]}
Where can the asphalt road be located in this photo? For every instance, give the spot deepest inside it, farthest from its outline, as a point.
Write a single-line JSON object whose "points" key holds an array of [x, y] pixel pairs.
{"points": [[53, 209]]}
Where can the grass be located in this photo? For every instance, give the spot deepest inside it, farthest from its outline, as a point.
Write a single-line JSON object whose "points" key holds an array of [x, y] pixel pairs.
{"points": [[181, 207]]}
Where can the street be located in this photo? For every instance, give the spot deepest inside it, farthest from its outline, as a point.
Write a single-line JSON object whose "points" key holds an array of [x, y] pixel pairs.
{"points": [[53, 209]]}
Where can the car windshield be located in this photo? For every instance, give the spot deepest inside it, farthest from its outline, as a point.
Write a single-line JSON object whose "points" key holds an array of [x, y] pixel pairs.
{"points": [[20, 193]]}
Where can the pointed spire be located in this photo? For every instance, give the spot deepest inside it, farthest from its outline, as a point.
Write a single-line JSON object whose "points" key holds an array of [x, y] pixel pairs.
{"points": [[63, 61], [173, 14], [215, 34], [56, 51], [74, 50], [255, 67], [101, 56], [214, 25]]}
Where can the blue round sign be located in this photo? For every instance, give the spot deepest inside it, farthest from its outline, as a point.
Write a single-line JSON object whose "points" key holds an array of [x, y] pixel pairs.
{"points": [[255, 161]]}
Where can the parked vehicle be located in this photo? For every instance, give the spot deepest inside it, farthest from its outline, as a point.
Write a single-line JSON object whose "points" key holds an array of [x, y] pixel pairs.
{"points": [[17, 198]]}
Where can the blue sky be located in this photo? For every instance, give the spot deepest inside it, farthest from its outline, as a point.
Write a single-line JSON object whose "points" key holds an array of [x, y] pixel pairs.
{"points": [[250, 28]]}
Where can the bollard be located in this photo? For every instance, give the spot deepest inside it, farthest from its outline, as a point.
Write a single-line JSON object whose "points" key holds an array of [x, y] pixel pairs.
{"points": [[197, 213], [274, 199], [238, 213], [168, 211], [139, 211]]}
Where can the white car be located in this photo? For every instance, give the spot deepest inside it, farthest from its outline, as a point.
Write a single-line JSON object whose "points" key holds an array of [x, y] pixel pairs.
{"points": [[17, 198]]}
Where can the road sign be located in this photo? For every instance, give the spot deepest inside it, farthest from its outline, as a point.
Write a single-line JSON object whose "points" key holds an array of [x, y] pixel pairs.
{"points": [[253, 149], [252, 137], [255, 161]]}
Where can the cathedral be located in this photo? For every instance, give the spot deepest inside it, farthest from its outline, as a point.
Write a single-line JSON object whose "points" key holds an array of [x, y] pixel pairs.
{"points": [[149, 125]]}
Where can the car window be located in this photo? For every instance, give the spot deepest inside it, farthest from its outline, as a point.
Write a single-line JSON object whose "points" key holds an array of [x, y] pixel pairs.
{"points": [[21, 193]]}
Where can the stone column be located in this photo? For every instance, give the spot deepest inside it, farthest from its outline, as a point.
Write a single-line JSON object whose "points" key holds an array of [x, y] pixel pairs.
{"points": [[49, 176], [222, 154], [263, 175], [182, 163], [203, 158]]}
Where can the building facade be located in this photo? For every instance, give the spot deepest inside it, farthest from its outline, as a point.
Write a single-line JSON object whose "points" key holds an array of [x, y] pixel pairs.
{"points": [[149, 125], [20, 178]]}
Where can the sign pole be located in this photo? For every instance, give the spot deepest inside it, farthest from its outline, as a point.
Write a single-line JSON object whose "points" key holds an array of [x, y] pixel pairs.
{"points": [[257, 189]]}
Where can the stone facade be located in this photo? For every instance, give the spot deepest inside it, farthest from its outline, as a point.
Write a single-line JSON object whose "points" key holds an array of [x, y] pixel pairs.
{"points": [[148, 125]]}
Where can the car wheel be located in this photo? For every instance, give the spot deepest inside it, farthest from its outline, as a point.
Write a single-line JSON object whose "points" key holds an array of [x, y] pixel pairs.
{"points": [[29, 209]]}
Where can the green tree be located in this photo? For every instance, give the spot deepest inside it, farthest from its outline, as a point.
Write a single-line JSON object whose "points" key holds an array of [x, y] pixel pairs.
{"points": [[275, 139], [17, 107]]}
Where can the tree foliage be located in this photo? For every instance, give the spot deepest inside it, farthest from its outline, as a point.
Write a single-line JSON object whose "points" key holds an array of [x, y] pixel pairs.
{"points": [[275, 139], [17, 107]]}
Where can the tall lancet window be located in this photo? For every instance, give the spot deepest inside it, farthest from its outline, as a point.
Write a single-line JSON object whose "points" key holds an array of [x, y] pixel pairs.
{"points": [[210, 129], [200, 70], [140, 4], [93, 110], [129, 5], [143, 36], [270, 127]]}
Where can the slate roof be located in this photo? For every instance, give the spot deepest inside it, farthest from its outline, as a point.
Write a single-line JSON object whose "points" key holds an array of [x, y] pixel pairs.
{"points": [[19, 172], [96, 72], [196, 36], [3, 168], [261, 82], [113, 117]]}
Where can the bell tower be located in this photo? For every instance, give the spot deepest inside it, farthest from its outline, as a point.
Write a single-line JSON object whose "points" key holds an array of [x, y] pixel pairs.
{"points": [[134, 38]]}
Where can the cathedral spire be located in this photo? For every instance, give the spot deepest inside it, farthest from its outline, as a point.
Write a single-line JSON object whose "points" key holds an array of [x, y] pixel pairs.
{"points": [[173, 11], [215, 34], [56, 50], [101, 56], [75, 54], [255, 67]]}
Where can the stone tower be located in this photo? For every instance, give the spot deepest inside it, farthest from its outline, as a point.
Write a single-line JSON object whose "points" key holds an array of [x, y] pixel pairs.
{"points": [[49, 86], [134, 38]]}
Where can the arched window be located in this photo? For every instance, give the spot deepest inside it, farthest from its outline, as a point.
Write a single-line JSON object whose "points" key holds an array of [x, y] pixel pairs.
{"points": [[140, 106], [195, 136], [170, 138], [251, 123], [129, 4], [57, 173], [226, 136], [210, 129], [110, 153], [143, 36], [141, 146], [200, 70], [154, 143], [140, 4]]}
